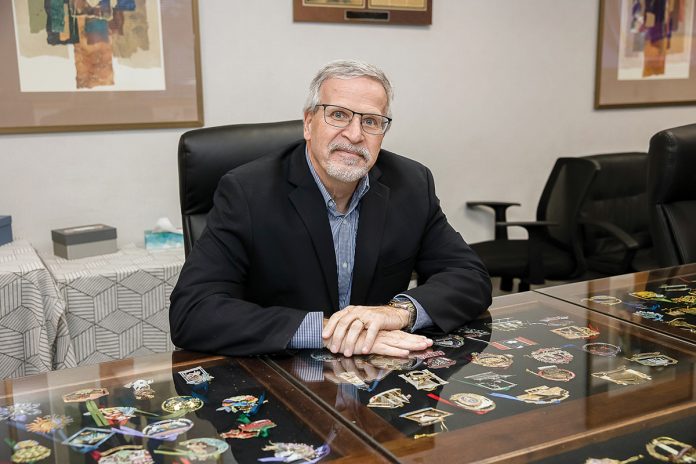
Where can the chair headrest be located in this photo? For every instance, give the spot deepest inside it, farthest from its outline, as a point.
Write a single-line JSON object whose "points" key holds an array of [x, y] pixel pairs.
{"points": [[621, 175], [205, 155], [672, 164]]}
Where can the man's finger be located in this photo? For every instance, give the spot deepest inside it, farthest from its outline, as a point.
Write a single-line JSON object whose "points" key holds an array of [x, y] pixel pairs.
{"points": [[351, 337]]}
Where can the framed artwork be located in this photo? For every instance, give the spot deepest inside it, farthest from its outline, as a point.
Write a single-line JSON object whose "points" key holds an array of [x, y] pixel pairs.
{"points": [[415, 12], [80, 65], [646, 54]]}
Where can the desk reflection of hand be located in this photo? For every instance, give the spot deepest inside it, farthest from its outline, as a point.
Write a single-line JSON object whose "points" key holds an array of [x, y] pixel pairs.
{"points": [[357, 366]]}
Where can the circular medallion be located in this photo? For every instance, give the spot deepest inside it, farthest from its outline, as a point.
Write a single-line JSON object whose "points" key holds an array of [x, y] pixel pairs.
{"points": [[491, 360], [552, 355], [605, 300], [167, 427], [182, 403], [602, 349], [473, 402], [29, 451], [202, 449]]}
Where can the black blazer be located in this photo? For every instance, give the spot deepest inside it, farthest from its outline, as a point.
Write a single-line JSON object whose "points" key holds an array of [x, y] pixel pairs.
{"points": [[267, 257]]}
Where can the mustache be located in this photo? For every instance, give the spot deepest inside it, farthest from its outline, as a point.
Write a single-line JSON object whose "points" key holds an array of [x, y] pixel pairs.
{"points": [[362, 151]]}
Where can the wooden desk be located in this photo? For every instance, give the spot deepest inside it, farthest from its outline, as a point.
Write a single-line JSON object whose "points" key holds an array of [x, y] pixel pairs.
{"points": [[596, 411], [672, 311], [298, 418]]}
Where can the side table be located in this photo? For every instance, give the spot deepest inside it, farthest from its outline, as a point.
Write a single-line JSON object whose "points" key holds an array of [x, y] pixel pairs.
{"points": [[117, 305], [34, 333]]}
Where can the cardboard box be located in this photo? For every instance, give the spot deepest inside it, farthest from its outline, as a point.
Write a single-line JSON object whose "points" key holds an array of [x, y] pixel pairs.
{"points": [[5, 229], [84, 241]]}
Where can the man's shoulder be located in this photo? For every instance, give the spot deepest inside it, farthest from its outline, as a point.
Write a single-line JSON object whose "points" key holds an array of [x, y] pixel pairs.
{"points": [[392, 165]]}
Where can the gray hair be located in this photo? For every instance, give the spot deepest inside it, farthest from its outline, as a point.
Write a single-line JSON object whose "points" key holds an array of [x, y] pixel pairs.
{"points": [[347, 69]]}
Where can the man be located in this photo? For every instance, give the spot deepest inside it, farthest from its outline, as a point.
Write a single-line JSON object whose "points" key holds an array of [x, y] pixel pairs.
{"points": [[315, 245]]}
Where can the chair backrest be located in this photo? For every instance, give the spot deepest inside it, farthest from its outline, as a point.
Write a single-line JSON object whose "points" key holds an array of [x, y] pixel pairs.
{"points": [[618, 195], [205, 155], [563, 194], [672, 194]]}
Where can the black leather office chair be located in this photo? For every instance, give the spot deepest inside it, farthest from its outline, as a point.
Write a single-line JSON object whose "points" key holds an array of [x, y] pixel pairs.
{"points": [[553, 249], [672, 194], [205, 155], [614, 217]]}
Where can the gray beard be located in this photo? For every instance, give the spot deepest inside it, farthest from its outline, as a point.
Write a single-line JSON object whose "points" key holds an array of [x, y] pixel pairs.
{"points": [[348, 173]]}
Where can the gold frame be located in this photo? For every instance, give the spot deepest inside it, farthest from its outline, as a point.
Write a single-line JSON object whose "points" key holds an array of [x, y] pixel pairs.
{"points": [[179, 105], [610, 92]]}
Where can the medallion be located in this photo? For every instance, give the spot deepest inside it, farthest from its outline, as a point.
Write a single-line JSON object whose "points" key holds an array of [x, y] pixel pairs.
{"points": [[688, 299], [682, 324], [131, 454], [19, 412], [353, 379], [574, 332], [196, 376], [544, 395], [552, 355], [423, 380], [86, 394], [675, 288], [556, 321], [390, 399], [427, 416], [29, 451], [183, 404], [554, 373], [394, 364], [492, 360], [473, 402], [650, 315], [655, 359], [674, 312], [623, 376], [429, 354], [141, 389], [450, 341], [647, 295], [489, 381], [49, 424], [605, 300], [602, 349], [241, 403], [88, 439], [254, 429], [167, 429], [290, 452], [613, 461], [116, 415], [203, 449], [440, 362], [472, 333], [667, 449]]}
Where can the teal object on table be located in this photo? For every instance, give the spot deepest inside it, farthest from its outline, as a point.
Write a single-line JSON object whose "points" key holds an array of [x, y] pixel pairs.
{"points": [[5, 229], [160, 240]]}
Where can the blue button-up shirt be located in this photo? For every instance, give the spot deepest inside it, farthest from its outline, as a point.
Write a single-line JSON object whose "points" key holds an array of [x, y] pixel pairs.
{"points": [[344, 230]]}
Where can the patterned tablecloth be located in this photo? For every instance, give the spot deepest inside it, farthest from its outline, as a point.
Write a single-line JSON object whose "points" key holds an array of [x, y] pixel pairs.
{"points": [[117, 305], [34, 333]]}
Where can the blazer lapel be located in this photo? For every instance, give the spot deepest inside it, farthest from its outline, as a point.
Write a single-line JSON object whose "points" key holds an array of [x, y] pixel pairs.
{"points": [[309, 204], [373, 214]]}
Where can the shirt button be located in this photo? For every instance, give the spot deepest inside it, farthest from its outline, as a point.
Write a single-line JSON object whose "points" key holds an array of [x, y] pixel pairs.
{"points": [[345, 265]]}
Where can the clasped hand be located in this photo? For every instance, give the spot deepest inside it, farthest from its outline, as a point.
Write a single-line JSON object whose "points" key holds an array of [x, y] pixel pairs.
{"points": [[371, 329]]}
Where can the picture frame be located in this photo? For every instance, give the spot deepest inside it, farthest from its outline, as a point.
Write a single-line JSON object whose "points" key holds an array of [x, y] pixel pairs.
{"points": [[646, 53], [403, 12], [79, 82]]}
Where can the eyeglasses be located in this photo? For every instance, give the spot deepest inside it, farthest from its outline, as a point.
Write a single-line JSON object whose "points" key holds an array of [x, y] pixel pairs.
{"points": [[339, 116]]}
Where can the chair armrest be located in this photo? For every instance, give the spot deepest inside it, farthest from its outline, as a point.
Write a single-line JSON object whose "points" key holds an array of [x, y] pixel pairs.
{"points": [[629, 242], [535, 260], [499, 209]]}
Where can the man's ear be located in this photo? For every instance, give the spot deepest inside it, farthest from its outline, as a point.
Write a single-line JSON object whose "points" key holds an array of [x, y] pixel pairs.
{"points": [[308, 116]]}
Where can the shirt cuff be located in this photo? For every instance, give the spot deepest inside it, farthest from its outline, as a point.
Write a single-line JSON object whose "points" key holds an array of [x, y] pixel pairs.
{"points": [[308, 334], [422, 317]]}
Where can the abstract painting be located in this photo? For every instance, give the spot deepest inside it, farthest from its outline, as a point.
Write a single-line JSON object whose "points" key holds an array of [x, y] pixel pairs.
{"points": [[646, 54], [72, 65], [89, 45]]}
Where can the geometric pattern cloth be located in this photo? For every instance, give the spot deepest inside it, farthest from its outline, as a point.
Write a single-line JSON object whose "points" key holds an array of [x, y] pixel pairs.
{"points": [[117, 305], [34, 334]]}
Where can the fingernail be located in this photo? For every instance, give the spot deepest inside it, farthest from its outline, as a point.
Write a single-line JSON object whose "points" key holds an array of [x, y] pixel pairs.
{"points": [[364, 350], [334, 348]]}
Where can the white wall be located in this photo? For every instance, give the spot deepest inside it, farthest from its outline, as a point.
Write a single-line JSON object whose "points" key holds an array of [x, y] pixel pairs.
{"points": [[488, 97]]}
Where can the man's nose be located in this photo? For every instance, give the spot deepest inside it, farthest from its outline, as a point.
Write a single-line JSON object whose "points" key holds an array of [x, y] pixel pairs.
{"points": [[353, 131]]}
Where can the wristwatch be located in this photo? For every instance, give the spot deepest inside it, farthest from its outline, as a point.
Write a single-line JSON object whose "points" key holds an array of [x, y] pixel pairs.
{"points": [[408, 306]]}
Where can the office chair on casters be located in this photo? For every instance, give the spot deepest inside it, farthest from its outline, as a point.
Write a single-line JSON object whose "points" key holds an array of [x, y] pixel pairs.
{"points": [[672, 194], [614, 217], [553, 249], [205, 155]]}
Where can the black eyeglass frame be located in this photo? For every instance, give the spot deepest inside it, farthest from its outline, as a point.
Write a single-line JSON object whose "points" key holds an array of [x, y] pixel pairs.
{"points": [[386, 128]]}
